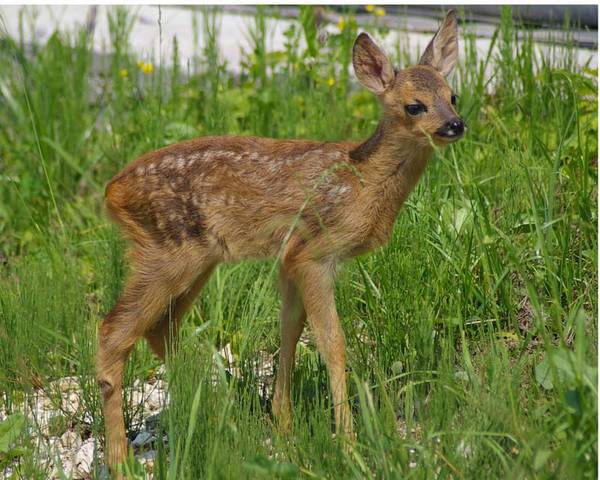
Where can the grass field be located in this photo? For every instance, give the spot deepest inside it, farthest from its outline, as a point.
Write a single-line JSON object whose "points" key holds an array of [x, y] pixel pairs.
{"points": [[472, 337]]}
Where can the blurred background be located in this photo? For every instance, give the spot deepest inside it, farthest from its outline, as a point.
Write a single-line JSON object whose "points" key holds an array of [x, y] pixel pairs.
{"points": [[411, 25]]}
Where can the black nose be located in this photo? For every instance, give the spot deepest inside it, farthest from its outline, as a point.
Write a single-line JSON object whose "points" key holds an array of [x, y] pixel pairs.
{"points": [[456, 127], [452, 129]]}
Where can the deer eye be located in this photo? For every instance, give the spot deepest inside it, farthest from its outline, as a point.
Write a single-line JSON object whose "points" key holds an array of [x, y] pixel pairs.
{"points": [[415, 109], [453, 99]]}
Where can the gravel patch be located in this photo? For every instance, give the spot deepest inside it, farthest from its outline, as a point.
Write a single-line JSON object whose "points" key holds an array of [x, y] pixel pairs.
{"points": [[61, 430]]}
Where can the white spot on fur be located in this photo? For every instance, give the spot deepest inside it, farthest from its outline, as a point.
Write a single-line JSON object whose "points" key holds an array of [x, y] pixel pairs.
{"points": [[254, 156], [139, 170], [313, 153], [180, 163], [199, 177], [151, 167], [220, 154], [336, 191], [274, 166]]}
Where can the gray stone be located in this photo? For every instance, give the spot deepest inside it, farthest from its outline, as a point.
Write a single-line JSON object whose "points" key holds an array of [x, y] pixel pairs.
{"points": [[142, 438]]}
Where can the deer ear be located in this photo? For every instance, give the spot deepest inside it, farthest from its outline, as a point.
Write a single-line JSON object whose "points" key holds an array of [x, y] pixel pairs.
{"points": [[372, 67], [442, 51]]}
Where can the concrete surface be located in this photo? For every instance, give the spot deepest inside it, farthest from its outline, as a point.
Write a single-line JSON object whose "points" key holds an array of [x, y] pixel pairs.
{"points": [[147, 39]]}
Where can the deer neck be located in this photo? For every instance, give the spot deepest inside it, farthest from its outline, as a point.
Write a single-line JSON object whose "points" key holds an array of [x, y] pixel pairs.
{"points": [[388, 159]]}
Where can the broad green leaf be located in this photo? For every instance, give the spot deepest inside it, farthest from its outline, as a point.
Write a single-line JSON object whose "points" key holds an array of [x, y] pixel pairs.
{"points": [[543, 374], [10, 429]]}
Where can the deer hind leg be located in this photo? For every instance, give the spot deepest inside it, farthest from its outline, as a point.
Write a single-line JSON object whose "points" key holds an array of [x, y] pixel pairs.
{"points": [[163, 335], [145, 299], [315, 282], [293, 317]]}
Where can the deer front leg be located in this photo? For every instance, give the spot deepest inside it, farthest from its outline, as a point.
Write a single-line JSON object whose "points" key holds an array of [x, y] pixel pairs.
{"points": [[315, 282], [293, 317]]}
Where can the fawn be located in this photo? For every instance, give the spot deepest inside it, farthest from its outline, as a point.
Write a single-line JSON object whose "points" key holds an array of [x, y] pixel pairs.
{"points": [[190, 206]]}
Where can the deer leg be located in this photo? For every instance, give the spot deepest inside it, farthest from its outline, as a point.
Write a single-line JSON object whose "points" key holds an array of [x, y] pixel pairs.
{"points": [[145, 299], [117, 336], [163, 336], [293, 317], [315, 282]]}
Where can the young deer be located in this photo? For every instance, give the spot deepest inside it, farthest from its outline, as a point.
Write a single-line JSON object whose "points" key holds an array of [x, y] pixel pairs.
{"points": [[190, 206]]}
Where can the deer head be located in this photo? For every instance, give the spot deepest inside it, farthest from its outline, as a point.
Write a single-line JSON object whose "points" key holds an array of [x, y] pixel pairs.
{"points": [[418, 104]]}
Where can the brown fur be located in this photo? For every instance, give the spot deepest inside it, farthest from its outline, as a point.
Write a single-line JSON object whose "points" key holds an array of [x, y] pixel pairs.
{"points": [[190, 206]]}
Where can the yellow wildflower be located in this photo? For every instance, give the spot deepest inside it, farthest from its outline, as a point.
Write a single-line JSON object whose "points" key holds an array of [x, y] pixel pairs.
{"points": [[147, 68], [140, 64], [341, 23], [124, 73], [331, 81], [370, 8], [380, 12]]}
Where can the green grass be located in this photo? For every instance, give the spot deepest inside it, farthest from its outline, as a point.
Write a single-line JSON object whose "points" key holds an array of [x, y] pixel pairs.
{"points": [[475, 329]]}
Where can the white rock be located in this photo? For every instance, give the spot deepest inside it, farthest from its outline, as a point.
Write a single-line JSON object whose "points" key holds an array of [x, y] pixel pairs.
{"points": [[227, 354], [67, 384], [147, 458], [156, 397], [265, 370], [62, 467], [39, 413], [70, 402], [136, 397], [88, 418], [71, 440], [84, 459]]}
